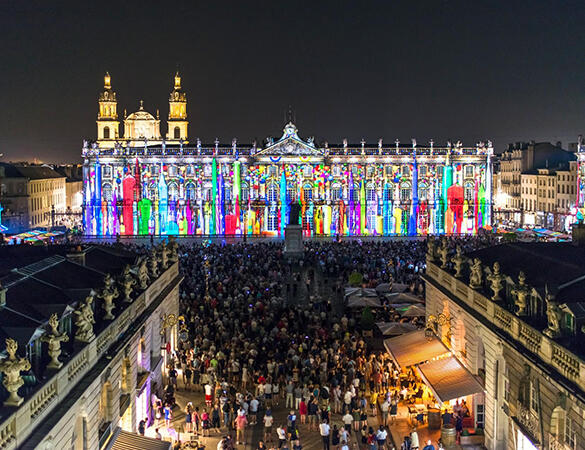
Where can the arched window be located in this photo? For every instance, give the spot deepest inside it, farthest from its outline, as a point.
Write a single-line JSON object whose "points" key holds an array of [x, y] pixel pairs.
{"points": [[272, 193], [227, 192], [245, 192], [173, 192], [371, 192], [190, 191], [153, 191], [307, 192], [107, 192], [207, 192], [423, 191], [387, 192], [336, 192], [177, 133], [272, 222], [106, 132], [354, 195], [291, 193]]}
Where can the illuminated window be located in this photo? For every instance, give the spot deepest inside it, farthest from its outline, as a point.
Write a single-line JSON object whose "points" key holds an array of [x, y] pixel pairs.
{"points": [[354, 194], [177, 133], [468, 171], [422, 171], [272, 223], [245, 192], [405, 191], [107, 171], [107, 192], [291, 193], [336, 171], [406, 171], [336, 192], [469, 191], [172, 171], [371, 192], [190, 191], [207, 170], [173, 192], [307, 192], [106, 132], [272, 193], [423, 191], [387, 192], [308, 171], [272, 171], [227, 192]]}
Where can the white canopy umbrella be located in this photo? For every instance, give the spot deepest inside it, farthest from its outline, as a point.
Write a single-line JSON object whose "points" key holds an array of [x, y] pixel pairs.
{"points": [[414, 311], [404, 297], [394, 288], [362, 302], [360, 292], [395, 328]]}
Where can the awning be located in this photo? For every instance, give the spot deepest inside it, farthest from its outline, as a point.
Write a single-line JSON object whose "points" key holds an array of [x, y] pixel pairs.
{"points": [[448, 379], [130, 441], [414, 348]]}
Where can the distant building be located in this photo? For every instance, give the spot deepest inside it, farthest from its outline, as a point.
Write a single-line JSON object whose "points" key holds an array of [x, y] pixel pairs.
{"points": [[73, 195], [29, 195], [527, 158], [514, 316], [91, 330], [549, 195]]}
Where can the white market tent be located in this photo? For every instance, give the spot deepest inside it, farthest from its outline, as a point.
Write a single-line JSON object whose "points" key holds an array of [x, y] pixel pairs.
{"points": [[395, 328], [362, 302]]}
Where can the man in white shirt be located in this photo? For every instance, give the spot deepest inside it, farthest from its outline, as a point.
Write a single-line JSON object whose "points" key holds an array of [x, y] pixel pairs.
{"points": [[253, 410], [347, 421], [414, 443], [324, 432], [281, 432], [381, 436]]}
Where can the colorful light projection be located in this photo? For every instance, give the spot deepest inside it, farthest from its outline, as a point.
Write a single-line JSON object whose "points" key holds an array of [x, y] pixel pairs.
{"points": [[236, 198]]}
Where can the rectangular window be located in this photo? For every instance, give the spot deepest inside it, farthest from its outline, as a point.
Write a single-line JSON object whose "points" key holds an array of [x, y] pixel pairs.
{"points": [[533, 397], [479, 416], [570, 434]]}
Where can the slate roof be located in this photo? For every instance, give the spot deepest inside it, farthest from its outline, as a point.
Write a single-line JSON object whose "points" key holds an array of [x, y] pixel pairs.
{"points": [[30, 172]]}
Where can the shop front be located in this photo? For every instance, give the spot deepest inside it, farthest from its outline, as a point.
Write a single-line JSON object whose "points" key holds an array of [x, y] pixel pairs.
{"points": [[454, 394]]}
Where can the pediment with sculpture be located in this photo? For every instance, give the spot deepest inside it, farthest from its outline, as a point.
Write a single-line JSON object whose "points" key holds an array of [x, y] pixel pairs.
{"points": [[291, 145]]}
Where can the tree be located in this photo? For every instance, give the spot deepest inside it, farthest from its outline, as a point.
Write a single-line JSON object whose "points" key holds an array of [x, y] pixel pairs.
{"points": [[355, 279], [367, 319]]}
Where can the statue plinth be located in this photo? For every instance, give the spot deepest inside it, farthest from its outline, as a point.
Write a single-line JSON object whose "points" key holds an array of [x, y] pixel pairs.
{"points": [[293, 241]]}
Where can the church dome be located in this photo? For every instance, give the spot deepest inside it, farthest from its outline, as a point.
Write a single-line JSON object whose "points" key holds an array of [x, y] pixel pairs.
{"points": [[141, 114]]}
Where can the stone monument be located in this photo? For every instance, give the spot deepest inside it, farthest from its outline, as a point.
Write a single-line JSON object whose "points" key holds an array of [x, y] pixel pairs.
{"points": [[293, 234], [84, 320]]}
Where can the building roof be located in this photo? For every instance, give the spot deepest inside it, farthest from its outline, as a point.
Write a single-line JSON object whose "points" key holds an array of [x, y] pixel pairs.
{"points": [[30, 172]]}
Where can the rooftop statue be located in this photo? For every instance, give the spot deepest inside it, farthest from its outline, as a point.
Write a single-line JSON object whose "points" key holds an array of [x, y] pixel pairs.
{"points": [[108, 294], [553, 314], [496, 282], [84, 320], [174, 250], [521, 292], [444, 252], [164, 255], [11, 368], [143, 277], [476, 277], [127, 281], [153, 263], [54, 339], [458, 261]]}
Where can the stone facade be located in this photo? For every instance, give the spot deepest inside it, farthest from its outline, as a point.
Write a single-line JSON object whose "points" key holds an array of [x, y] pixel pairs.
{"points": [[107, 382], [534, 386]]}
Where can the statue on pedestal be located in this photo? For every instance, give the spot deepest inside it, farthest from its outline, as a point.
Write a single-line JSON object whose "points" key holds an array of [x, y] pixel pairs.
{"points": [[444, 252], [496, 282], [553, 314], [174, 250], [127, 281], [164, 255], [84, 320], [54, 339], [458, 261], [11, 368], [476, 277], [143, 277], [153, 263], [431, 248], [521, 292], [109, 293]]}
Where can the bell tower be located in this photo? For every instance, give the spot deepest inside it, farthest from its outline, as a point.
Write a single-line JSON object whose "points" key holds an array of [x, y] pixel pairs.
{"points": [[107, 120], [177, 113]]}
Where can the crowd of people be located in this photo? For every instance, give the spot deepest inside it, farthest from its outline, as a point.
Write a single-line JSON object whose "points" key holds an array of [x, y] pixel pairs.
{"points": [[257, 345]]}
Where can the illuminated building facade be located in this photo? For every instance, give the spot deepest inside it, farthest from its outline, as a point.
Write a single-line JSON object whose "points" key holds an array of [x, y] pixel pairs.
{"points": [[142, 183]]}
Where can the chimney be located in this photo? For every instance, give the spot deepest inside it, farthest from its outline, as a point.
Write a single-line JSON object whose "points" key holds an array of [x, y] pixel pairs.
{"points": [[77, 255], [578, 232]]}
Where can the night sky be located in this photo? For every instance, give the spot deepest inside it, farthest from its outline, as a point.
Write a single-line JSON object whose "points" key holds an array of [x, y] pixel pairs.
{"points": [[506, 71]]}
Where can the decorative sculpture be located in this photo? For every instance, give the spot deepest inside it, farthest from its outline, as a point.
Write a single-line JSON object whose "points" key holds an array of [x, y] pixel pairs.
{"points": [[164, 255], [143, 277], [84, 320], [431, 249], [476, 277], [444, 252], [54, 339], [11, 368], [127, 282], [109, 293], [458, 261], [496, 282], [173, 249], [153, 263], [553, 314], [521, 292]]}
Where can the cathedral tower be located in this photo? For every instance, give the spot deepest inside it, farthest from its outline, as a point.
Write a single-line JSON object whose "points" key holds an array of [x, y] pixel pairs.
{"points": [[177, 113], [107, 120]]}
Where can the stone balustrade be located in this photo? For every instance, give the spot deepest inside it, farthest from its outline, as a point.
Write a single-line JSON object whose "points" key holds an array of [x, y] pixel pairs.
{"points": [[31, 413], [564, 361]]}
